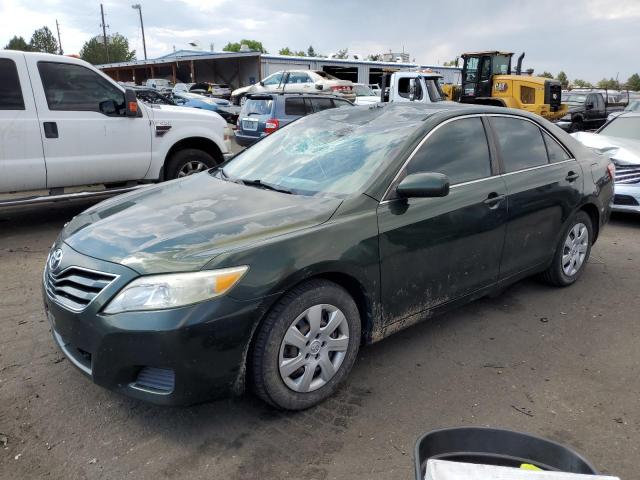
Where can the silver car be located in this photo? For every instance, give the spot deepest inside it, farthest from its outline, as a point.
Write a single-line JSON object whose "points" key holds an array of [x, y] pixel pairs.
{"points": [[620, 140]]}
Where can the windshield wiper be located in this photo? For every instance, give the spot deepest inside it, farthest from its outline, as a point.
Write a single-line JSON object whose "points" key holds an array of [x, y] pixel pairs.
{"points": [[267, 186]]}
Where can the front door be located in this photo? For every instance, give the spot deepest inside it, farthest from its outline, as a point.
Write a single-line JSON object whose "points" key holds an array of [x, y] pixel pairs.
{"points": [[86, 136], [484, 81], [434, 250], [544, 186]]}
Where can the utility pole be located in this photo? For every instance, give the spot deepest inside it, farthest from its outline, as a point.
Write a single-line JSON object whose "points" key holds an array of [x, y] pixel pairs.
{"points": [[138, 7], [104, 32], [59, 41]]}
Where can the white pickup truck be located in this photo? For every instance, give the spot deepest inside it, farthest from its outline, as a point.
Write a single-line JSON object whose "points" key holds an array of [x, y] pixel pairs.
{"points": [[67, 131]]}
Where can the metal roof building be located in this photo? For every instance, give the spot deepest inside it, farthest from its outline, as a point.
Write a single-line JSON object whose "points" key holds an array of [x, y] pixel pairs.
{"points": [[238, 69]]}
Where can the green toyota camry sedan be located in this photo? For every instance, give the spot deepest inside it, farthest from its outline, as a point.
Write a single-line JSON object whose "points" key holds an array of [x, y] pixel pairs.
{"points": [[269, 272]]}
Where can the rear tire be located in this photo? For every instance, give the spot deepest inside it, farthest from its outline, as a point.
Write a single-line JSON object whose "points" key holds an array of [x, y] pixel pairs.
{"points": [[187, 162], [572, 252], [306, 346]]}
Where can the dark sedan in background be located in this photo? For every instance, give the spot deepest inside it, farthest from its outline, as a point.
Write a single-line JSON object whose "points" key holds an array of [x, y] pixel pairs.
{"points": [[337, 230]]}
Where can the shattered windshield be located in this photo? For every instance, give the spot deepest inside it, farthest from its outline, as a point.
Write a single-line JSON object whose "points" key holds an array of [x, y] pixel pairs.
{"points": [[325, 153]]}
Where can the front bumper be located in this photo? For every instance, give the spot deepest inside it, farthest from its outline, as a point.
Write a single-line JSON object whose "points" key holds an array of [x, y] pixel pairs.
{"points": [[179, 356], [626, 198]]}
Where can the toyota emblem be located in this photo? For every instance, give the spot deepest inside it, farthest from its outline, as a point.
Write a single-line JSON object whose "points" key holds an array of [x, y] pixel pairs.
{"points": [[55, 259]]}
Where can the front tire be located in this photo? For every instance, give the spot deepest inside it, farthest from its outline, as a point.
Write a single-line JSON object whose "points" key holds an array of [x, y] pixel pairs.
{"points": [[306, 346], [572, 253], [188, 162]]}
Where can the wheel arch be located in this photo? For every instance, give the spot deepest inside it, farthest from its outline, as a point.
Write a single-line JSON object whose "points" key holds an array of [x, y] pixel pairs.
{"points": [[199, 143], [594, 214]]}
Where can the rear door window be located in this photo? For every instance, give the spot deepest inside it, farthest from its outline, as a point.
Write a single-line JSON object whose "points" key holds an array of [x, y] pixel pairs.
{"points": [[555, 152], [458, 149], [10, 91], [520, 143], [319, 104], [295, 106]]}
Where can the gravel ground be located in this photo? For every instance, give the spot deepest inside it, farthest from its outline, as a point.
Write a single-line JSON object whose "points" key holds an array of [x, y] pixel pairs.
{"points": [[563, 364]]}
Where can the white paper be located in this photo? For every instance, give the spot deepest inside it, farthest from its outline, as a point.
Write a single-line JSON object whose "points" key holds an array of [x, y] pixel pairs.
{"points": [[445, 470]]}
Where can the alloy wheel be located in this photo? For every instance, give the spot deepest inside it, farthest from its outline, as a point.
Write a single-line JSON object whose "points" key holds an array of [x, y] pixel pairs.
{"points": [[575, 249], [192, 167], [313, 348]]}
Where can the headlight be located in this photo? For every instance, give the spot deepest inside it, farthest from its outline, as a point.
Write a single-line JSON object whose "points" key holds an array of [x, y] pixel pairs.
{"points": [[157, 292]]}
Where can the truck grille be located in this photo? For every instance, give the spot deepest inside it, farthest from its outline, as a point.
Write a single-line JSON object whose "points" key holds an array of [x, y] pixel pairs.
{"points": [[626, 174], [74, 288]]}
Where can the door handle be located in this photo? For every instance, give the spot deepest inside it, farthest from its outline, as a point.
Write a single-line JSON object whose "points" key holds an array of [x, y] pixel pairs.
{"points": [[493, 200], [50, 129], [571, 176]]}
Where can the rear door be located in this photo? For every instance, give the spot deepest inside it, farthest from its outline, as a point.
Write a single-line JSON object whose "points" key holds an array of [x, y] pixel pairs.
{"points": [[435, 250], [22, 164], [544, 186], [84, 142], [299, 82]]}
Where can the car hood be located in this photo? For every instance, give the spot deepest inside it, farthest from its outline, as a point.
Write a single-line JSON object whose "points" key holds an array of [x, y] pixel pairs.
{"points": [[622, 151], [181, 225], [178, 113]]}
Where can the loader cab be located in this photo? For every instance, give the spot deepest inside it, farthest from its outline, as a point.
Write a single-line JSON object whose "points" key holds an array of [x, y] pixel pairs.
{"points": [[478, 71]]}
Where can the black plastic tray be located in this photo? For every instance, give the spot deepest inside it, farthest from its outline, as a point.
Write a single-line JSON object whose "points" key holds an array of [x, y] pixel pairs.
{"points": [[492, 446]]}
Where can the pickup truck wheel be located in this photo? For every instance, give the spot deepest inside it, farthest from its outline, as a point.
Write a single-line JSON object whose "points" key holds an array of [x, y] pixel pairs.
{"points": [[187, 162], [576, 126], [306, 346]]}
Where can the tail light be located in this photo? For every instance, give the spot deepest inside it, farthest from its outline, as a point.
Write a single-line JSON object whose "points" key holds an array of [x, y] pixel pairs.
{"points": [[612, 170], [341, 88], [271, 125], [227, 133]]}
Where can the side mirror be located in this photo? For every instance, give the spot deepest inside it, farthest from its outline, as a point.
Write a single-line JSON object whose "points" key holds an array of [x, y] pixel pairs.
{"points": [[131, 102], [412, 89], [108, 107], [420, 185], [588, 106], [261, 83], [319, 86]]}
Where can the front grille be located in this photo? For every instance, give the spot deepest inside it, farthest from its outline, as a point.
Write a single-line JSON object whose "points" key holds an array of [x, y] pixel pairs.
{"points": [[74, 288], [626, 200], [626, 174], [156, 380]]}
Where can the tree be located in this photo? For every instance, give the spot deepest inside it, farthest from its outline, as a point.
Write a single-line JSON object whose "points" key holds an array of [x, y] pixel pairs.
{"points": [[254, 45], [546, 74], [285, 51], [17, 43], [375, 57], [610, 84], [581, 83], [93, 51], [451, 63], [633, 83], [342, 53], [43, 40], [300, 53], [562, 78], [311, 52]]}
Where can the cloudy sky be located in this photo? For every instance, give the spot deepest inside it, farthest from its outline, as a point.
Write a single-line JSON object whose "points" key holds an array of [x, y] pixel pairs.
{"points": [[588, 39]]}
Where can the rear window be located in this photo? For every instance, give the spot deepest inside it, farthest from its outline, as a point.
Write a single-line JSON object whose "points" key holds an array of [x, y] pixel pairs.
{"points": [[320, 104], [257, 106], [326, 75], [10, 91]]}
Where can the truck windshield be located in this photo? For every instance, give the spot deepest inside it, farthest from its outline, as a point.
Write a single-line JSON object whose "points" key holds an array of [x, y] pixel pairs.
{"points": [[574, 98], [332, 153], [435, 93], [622, 127]]}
